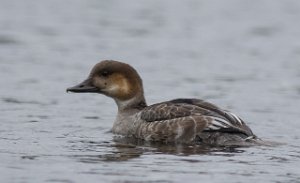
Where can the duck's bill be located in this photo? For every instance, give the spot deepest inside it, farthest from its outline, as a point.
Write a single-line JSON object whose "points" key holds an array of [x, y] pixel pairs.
{"points": [[85, 87]]}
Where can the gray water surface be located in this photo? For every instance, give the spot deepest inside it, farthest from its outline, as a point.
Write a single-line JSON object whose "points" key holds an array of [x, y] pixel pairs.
{"points": [[241, 55]]}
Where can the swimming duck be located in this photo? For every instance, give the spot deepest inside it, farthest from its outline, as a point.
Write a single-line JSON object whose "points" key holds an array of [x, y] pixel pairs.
{"points": [[188, 121]]}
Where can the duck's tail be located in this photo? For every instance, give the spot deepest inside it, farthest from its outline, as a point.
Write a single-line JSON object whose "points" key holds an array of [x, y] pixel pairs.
{"points": [[253, 140]]}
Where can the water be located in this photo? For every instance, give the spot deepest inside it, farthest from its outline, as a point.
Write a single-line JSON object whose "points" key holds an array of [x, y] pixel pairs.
{"points": [[241, 55]]}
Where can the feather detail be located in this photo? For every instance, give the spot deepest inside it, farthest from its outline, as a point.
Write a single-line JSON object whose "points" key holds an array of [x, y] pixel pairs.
{"points": [[179, 111]]}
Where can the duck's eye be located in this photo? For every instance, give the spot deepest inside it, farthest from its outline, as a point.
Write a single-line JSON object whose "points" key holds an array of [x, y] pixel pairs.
{"points": [[104, 73]]}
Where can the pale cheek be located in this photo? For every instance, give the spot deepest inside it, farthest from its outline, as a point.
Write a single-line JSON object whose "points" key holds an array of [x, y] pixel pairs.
{"points": [[99, 83], [125, 86], [119, 90], [113, 89]]}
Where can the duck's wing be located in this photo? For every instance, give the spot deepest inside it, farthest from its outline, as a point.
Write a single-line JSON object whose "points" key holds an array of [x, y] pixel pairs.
{"points": [[172, 122], [208, 115], [219, 114], [167, 111]]}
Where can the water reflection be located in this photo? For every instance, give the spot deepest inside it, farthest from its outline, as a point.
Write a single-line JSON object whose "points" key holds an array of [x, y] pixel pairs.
{"points": [[124, 149]]}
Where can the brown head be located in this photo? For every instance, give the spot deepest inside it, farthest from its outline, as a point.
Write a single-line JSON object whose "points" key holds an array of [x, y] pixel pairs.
{"points": [[115, 79]]}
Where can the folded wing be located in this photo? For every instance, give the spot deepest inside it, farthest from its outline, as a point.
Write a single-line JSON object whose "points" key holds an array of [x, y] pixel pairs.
{"points": [[207, 115]]}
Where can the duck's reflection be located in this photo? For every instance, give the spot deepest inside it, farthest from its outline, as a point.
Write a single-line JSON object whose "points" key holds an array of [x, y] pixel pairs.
{"points": [[175, 149], [124, 148]]}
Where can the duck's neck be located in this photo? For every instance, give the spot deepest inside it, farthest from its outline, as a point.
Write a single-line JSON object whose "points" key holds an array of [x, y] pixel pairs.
{"points": [[136, 103]]}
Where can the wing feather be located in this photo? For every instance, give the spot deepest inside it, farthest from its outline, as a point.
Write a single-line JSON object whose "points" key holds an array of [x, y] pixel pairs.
{"points": [[220, 120]]}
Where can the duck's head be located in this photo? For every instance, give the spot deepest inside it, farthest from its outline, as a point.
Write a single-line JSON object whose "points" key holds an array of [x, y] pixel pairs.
{"points": [[115, 79]]}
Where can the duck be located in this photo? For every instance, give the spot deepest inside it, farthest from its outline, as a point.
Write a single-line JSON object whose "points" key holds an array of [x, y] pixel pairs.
{"points": [[178, 121]]}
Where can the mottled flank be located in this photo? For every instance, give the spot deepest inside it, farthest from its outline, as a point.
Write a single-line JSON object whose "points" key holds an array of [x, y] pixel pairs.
{"points": [[189, 121], [190, 118]]}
